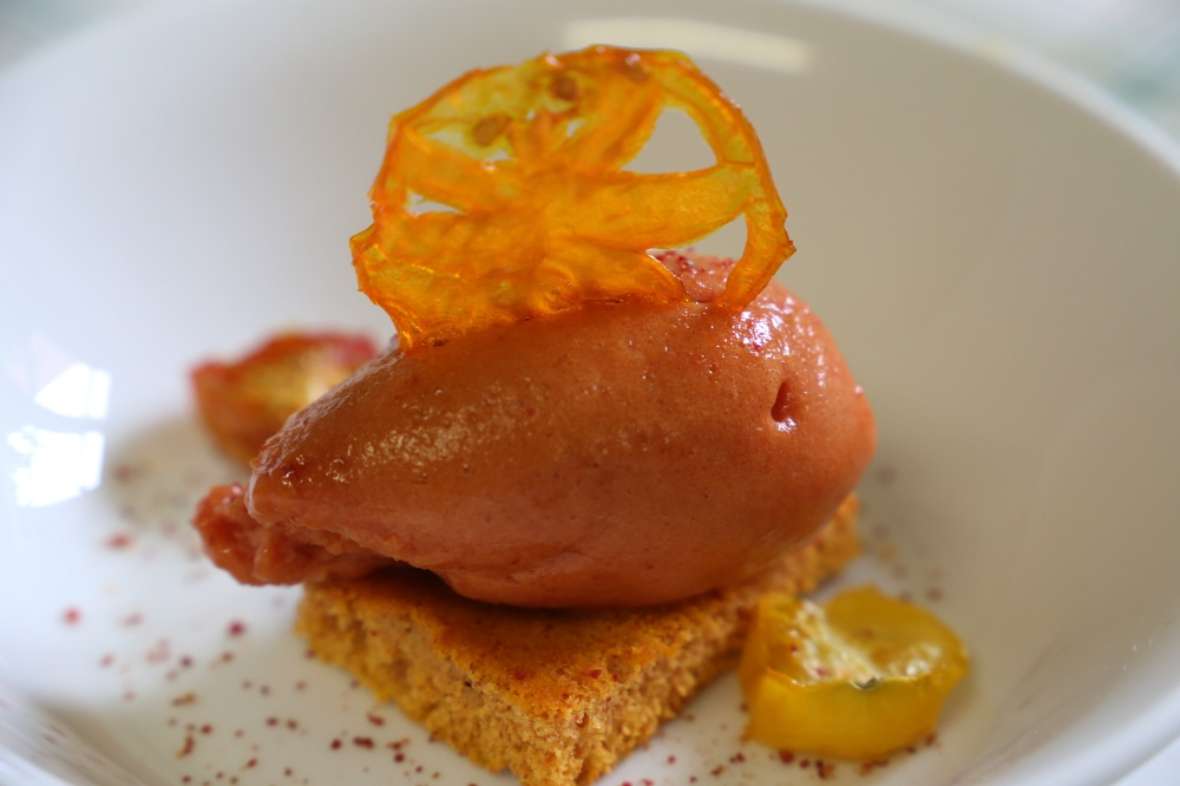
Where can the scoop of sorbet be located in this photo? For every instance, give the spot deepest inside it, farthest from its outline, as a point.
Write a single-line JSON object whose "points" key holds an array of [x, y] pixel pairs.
{"points": [[621, 454]]}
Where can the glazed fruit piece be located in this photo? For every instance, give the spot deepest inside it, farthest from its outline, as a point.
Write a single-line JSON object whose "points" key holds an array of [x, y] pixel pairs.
{"points": [[859, 678], [245, 401]]}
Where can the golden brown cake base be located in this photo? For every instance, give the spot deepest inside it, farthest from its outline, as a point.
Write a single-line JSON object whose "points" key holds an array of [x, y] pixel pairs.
{"points": [[557, 697]]}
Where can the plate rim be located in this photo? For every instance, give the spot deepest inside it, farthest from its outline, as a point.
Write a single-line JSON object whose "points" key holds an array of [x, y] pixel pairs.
{"points": [[1125, 749]]}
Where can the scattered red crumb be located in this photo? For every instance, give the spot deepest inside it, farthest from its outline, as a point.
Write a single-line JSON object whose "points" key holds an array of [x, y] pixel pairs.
{"points": [[692, 779], [335, 745], [272, 721], [399, 757], [375, 719], [186, 662], [824, 769], [247, 685], [186, 779], [717, 770], [300, 685], [124, 473], [805, 763], [418, 768], [288, 772], [239, 733], [106, 660], [648, 782], [934, 594], [206, 728], [671, 759], [160, 652], [786, 757], [185, 699], [236, 628], [187, 748], [225, 657], [363, 742], [251, 764], [131, 620], [71, 616], [119, 541], [128, 695], [868, 766], [292, 724], [737, 758], [594, 673], [309, 654]]}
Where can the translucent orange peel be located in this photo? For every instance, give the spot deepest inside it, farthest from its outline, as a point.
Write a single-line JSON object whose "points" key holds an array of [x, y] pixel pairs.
{"points": [[537, 214]]}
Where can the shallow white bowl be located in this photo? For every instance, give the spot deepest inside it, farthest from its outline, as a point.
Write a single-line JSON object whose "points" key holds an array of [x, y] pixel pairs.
{"points": [[995, 246]]}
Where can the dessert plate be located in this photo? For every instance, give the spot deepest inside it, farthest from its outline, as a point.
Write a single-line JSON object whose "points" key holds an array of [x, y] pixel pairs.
{"points": [[994, 245]]}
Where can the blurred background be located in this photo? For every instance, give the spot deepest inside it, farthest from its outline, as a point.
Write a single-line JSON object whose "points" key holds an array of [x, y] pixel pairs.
{"points": [[1129, 47]]}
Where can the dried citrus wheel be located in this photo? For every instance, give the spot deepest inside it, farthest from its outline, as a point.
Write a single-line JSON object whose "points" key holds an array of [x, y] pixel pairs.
{"points": [[245, 401], [537, 213], [857, 679]]}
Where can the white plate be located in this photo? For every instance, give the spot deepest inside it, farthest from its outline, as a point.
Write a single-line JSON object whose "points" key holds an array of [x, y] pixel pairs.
{"points": [[996, 248]]}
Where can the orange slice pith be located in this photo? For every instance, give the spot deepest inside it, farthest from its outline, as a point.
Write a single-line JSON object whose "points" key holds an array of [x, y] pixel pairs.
{"points": [[540, 215]]}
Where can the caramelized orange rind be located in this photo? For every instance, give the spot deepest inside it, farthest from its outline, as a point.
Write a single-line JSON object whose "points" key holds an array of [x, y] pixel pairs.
{"points": [[535, 211]]}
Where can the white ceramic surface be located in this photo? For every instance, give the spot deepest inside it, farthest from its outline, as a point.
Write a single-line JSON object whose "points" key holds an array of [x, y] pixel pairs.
{"points": [[998, 262]]}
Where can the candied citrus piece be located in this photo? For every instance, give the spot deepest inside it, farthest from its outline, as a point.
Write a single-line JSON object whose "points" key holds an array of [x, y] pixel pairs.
{"points": [[537, 213], [245, 401], [857, 679]]}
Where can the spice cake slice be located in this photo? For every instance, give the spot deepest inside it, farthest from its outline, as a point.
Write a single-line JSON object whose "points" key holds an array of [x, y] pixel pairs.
{"points": [[557, 697]]}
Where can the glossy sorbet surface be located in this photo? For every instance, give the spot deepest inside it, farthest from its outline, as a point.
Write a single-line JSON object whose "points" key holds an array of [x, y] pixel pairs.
{"points": [[619, 454]]}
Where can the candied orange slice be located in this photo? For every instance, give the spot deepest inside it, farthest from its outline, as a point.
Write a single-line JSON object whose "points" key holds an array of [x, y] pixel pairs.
{"points": [[537, 214], [245, 401], [857, 679]]}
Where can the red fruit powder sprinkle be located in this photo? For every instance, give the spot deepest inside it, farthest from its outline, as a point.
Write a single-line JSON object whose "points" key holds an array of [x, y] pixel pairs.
{"points": [[118, 541], [71, 616], [335, 745], [363, 742], [236, 628]]}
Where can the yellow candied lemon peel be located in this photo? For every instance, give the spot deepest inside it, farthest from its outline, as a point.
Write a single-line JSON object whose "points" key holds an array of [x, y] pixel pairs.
{"points": [[537, 213], [859, 678]]}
